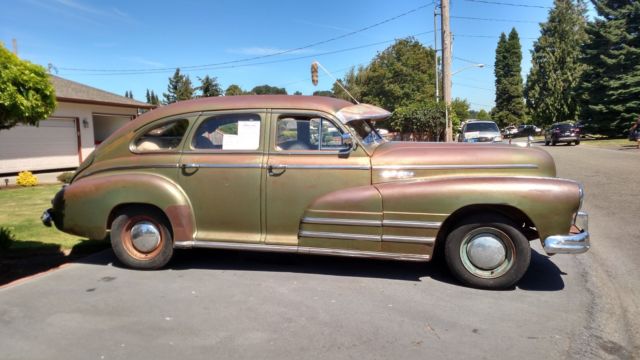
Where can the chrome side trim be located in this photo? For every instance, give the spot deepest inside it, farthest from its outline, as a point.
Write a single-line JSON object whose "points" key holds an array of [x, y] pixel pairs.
{"points": [[222, 166], [130, 167], [331, 221], [364, 254], [359, 222], [455, 166], [329, 167], [301, 250], [233, 246], [335, 235], [412, 224], [410, 239]]}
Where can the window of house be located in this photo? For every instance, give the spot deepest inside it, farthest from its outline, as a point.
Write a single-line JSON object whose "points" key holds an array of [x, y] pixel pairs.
{"points": [[228, 132], [307, 133], [164, 137]]}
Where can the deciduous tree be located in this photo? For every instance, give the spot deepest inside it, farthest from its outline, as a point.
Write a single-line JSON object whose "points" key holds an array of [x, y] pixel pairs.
{"points": [[267, 89], [233, 90], [26, 94]]}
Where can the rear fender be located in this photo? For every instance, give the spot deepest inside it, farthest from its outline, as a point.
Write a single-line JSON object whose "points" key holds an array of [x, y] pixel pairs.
{"points": [[85, 206]]}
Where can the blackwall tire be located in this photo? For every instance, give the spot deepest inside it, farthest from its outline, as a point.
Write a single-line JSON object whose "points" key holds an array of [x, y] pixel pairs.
{"points": [[140, 238], [472, 264]]}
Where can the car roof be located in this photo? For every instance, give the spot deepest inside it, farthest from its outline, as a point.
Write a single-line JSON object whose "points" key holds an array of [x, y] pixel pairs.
{"points": [[344, 110]]}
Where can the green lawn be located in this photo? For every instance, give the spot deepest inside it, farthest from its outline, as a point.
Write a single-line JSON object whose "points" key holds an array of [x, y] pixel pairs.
{"points": [[20, 210], [610, 143]]}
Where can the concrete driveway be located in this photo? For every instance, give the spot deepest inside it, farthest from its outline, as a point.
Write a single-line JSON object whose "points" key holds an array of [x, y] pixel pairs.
{"points": [[237, 305]]}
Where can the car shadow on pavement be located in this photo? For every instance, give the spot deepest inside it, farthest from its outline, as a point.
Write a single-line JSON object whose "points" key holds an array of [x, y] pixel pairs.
{"points": [[542, 275]]}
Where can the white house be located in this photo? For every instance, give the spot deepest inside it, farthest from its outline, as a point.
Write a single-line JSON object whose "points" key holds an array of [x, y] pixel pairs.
{"points": [[85, 116]]}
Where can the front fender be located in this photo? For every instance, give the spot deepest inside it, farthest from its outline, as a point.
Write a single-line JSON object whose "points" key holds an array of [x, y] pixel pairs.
{"points": [[550, 203], [83, 208]]}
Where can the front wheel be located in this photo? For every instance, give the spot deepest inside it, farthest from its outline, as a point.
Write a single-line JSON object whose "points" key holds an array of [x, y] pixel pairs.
{"points": [[140, 238], [487, 252]]}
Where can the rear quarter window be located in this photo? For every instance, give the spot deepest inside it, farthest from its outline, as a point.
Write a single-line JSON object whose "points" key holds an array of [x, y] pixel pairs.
{"points": [[164, 137]]}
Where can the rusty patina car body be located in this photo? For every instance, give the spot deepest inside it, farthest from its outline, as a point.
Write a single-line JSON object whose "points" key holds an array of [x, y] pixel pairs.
{"points": [[309, 175]]}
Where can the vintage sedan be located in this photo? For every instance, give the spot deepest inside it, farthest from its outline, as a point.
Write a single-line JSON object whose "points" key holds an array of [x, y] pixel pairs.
{"points": [[311, 175]]}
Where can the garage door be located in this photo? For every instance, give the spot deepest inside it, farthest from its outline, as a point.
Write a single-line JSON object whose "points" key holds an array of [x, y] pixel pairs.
{"points": [[52, 145]]}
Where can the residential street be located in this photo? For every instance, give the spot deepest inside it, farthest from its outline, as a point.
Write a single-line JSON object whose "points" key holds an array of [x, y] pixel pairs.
{"points": [[238, 305]]}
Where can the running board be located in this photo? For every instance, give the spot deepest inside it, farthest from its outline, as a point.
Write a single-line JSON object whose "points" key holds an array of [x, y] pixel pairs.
{"points": [[300, 250]]}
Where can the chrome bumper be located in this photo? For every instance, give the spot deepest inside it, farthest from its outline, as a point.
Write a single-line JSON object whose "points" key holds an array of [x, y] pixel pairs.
{"points": [[572, 243]]}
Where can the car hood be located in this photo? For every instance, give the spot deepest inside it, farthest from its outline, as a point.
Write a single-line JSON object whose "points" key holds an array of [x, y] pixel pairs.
{"points": [[410, 161]]}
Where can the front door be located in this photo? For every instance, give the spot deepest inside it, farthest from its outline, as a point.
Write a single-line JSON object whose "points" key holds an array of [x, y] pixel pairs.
{"points": [[222, 172], [306, 161]]}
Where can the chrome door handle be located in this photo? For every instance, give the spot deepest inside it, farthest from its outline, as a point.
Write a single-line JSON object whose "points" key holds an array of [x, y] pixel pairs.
{"points": [[270, 169]]}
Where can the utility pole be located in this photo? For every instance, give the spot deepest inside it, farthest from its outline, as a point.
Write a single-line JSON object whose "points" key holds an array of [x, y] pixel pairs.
{"points": [[14, 42], [435, 47], [446, 65]]}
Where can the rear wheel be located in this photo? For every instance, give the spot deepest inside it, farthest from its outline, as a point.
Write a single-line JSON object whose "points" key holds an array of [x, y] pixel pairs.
{"points": [[577, 142], [546, 143], [487, 252], [141, 239]]}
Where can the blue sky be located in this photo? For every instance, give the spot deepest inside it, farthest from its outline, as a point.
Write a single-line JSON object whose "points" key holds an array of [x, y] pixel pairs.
{"points": [[146, 35]]}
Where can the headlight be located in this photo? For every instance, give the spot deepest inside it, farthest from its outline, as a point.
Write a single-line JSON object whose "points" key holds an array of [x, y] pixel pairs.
{"points": [[497, 138]]}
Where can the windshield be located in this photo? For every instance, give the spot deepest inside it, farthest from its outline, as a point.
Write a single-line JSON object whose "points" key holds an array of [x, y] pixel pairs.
{"points": [[492, 127], [366, 133]]}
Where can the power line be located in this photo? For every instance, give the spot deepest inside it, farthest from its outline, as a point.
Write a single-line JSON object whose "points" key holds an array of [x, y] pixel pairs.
{"points": [[509, 4], [218, 67], [196, 67], [494, 19]]}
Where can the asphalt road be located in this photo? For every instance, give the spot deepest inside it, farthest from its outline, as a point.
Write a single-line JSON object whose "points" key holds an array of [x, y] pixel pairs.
{"points": [[234, 305]]}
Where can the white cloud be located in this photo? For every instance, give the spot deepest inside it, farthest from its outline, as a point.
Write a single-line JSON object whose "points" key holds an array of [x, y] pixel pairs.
{"points": [[142, 61]]}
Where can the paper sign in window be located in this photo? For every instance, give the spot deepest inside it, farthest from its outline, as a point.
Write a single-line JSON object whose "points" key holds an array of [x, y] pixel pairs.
{"points": [[248, 137]]}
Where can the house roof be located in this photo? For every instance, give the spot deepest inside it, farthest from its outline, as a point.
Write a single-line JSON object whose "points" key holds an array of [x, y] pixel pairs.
{"points": [[74, 92]]}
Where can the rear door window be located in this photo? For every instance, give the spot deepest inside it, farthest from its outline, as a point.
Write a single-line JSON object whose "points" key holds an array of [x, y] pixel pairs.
{"points": [[228, 132]]}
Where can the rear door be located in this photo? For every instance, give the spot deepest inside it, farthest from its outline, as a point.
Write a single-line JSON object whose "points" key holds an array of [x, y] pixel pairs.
{"points": [[222, 172]]}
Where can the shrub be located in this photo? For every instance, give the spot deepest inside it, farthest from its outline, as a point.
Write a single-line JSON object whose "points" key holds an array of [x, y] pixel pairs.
{"points": [[66, 177], [6, 238], [26, 178]]}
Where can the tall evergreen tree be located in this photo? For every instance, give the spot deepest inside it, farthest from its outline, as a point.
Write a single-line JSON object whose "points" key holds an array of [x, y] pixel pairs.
{"points": [[179, 88], [555, 64], [209, 86], [610, 85], [510, 108], [152, 98]]}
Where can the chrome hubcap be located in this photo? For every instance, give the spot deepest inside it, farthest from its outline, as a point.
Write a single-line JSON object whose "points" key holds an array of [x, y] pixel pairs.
{"points": [[145, 236], [486, 251]]}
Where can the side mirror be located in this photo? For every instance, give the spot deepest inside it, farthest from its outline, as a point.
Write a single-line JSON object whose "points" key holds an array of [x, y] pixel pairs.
{"points": [[348, 143]]}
